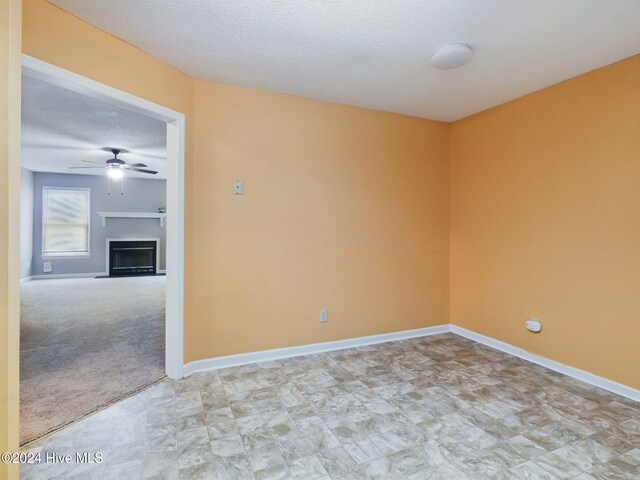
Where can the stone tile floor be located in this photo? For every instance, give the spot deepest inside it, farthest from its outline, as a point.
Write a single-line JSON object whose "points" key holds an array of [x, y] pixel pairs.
{"points": [[439, 407]]}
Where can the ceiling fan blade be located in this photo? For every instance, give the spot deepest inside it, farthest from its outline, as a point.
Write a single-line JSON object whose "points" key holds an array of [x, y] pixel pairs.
{"points": [[136, 165], [95, 163], [85, 167], [142, 170]]}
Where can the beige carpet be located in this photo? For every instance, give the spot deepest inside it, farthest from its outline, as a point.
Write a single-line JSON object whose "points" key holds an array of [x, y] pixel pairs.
{"points": [[85, 343]]}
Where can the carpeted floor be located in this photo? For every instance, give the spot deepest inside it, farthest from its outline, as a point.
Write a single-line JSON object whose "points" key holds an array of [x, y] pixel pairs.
{"points": [[85, 343]]}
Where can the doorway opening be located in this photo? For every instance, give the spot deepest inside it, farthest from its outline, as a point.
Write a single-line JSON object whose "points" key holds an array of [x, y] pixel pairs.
{"points": [[101, 267]]}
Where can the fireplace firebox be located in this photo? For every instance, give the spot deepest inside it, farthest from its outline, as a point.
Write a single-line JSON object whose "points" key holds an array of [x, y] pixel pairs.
{"points": [[135, 257]]}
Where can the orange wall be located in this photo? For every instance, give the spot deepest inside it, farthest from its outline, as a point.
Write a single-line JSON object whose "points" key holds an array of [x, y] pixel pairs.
{"points": [[344, 208], [545, 221]]}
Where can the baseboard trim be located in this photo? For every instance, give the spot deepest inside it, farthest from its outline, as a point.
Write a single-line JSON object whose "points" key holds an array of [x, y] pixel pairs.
{"points": [[288, 352], [73, 275], [488, 341], [67, 275], [589, 378], [217, 363]]}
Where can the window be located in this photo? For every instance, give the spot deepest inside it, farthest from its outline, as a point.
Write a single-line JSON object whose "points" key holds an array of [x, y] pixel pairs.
{"points": [[65, 222]]}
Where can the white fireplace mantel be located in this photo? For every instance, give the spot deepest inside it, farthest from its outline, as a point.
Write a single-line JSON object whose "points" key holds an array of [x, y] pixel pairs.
{"points": [[105, 215]]}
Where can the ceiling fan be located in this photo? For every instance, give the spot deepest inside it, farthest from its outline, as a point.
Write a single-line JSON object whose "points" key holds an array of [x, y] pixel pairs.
{"points": [[116, 167]]}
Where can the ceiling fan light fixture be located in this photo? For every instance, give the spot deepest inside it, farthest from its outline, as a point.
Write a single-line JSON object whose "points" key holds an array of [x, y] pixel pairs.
{"points": [[451, 56], [115, 173]]}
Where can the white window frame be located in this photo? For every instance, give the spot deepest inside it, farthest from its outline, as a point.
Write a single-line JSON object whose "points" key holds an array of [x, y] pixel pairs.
{"points": [[46, 254]]}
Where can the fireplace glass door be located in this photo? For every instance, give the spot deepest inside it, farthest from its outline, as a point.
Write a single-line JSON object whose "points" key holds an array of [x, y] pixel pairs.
{"points": [[132, 258]]}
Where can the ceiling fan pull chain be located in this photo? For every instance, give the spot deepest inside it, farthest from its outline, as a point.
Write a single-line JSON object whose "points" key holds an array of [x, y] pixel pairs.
{"points": [[108, 185], [122, 185]]}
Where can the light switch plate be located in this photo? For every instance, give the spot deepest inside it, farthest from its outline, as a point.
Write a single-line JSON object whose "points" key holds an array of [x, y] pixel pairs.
{"points": [[237, 187]]}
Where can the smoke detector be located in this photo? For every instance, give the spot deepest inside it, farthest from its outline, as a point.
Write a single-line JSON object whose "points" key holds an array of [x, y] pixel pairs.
{"points": [[451, 56]]}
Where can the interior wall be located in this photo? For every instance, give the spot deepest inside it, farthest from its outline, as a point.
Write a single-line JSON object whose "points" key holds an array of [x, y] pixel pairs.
{"points": [[545, 205], [26, 222], [343, 208], [140, 195], [10, 35]]}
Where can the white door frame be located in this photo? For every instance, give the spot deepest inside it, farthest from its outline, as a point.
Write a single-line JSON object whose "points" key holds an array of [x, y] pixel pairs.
{"points": [[35, 68]]}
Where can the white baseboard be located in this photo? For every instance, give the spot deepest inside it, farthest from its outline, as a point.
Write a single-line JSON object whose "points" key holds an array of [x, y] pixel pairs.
{"points": [[67, 275], [488, 341], [25, 279], [590, 378], [287, 352]]}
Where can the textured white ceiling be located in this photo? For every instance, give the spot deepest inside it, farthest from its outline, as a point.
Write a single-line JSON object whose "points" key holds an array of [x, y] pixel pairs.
{"points": [[376, 53], [60, 128]]}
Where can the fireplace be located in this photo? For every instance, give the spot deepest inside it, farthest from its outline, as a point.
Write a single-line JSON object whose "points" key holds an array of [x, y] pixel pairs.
{"points": [[132, 257]]}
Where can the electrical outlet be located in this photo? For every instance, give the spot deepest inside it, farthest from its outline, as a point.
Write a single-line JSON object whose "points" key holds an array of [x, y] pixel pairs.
{"points": [[324, 315], [237, 187], [533, 325], [46, 267]]}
